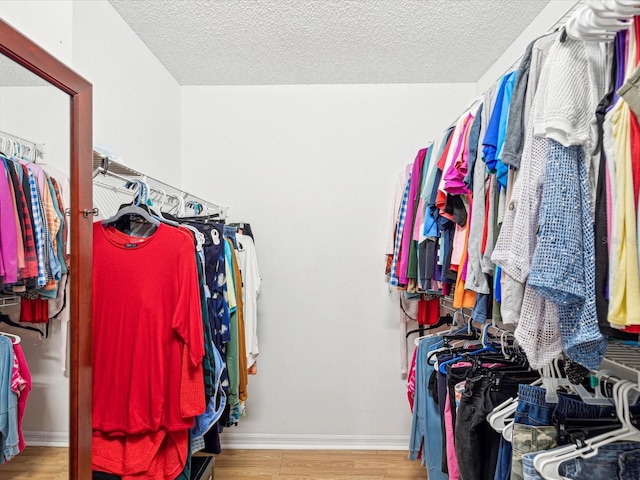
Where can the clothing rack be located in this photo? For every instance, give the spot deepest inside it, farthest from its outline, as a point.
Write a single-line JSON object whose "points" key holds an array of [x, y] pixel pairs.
{"points": [[9, 300], [623, 361], [446, 304], [26, 149], [105, 167]]}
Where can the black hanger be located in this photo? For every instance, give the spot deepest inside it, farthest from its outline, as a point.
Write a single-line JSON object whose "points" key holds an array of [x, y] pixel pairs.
{"points": [[6, 319], [461, 336], [563, 35], [445, 320], [212, 218], [448, 349]]}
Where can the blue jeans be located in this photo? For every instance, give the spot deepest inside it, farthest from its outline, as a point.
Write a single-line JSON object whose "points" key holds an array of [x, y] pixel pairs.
{"points": [[619, 461], [503, 467], [533, 428], [426, 433], [528, 470], [481, 307], [230, 232]]}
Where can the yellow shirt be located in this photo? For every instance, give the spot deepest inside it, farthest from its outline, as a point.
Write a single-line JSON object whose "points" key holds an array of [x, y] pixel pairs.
{"points": [[624, 281]]}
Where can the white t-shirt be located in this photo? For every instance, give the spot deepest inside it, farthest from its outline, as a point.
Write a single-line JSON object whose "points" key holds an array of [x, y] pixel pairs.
{"points": [[248, 262]]}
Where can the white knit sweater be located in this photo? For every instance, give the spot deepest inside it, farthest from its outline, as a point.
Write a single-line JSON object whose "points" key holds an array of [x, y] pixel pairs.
{"points": [[572, 84]]}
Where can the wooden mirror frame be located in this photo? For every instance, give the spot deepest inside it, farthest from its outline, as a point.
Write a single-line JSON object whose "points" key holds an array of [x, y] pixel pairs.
{"points": [[23, 51]]}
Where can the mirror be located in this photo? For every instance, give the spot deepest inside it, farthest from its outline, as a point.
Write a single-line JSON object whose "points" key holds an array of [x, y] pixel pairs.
{"points": [[45, 116], [35, 125]]}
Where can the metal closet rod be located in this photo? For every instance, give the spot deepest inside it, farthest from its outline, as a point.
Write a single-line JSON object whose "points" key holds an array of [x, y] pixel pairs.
{"points": [[169, 198], [190, 200], [38, 147]]}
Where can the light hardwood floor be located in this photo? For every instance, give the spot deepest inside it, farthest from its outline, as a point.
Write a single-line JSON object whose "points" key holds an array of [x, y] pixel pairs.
{"points": [[37, 463], [45, 463], [316, 465]]}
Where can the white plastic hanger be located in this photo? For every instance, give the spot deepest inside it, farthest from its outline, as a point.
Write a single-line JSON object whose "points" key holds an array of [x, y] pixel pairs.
{"points": [[549, 468], [588, 20], [548, 463], [16, 338], [507, 430], [575, 31], [572, 31]]}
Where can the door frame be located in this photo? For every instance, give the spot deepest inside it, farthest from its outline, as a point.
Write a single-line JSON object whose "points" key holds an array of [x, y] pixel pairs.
{"points": [[25, 52]]}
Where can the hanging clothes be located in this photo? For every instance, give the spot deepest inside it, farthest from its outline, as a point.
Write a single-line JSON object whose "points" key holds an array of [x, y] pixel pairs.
{"points": [[145, 412]]}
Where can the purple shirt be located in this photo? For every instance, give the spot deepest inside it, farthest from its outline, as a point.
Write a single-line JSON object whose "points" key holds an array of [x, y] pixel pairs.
{"points": [[8, 231], [411, 207]]}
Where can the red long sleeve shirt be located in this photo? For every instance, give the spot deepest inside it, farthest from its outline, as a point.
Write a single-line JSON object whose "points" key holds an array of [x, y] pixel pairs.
{"points": [[147, 332]]}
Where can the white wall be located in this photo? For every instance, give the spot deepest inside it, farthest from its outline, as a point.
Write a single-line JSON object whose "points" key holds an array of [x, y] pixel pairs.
{"points": [[136, 101], [313, 169], [46, 22]]}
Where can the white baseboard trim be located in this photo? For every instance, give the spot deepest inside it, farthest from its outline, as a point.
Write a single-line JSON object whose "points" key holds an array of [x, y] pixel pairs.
{"points": [[265, 441], [47, 439]]}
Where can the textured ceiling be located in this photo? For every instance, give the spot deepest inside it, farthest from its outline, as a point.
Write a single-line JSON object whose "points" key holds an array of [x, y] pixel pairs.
{"points": [[265, 42]]}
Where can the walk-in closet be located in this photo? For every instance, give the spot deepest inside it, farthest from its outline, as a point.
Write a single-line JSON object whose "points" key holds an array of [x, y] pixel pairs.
{"points": [[319, 239]]}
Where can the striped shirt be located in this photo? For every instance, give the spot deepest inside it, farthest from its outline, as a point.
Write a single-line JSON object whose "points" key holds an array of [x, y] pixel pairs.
{"points": [[38, 229], [64, 236], [54, 224], [401, 218]]}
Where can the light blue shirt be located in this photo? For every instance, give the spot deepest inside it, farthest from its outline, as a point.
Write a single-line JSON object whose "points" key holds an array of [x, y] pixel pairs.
{"points": [[8, 403]]}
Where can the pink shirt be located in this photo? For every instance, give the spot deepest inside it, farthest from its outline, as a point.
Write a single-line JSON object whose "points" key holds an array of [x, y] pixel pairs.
{"points": [[454, 176], [452, 459], [24, 393], [411, 379]]}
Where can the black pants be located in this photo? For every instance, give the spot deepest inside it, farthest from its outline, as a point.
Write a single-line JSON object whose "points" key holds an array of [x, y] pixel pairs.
{"points": [[104, 476], [476, 443]]}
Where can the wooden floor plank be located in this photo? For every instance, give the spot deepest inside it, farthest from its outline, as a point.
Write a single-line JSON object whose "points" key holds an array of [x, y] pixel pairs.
{"points": [[37, 463], [46, 463]]}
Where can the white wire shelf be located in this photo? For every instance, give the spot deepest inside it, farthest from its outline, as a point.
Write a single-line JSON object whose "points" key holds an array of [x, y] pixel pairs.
{"points": [[9, 300], [623, 361]]}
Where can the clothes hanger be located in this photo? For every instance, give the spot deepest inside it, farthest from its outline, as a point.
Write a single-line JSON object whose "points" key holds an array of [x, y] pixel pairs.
{"points": [[498, 416], [6, 319], [16, 338], [629, 4], [610, 9], [485, 348], [163, 197], [574, 31], [443, 345], [157, 212], [615, 7], [549, 468], [134, 210], [444, 320], [507, 430], [182, 208], [588, 22], [548, 463]]}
